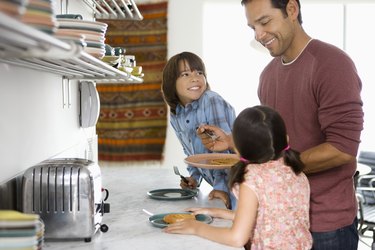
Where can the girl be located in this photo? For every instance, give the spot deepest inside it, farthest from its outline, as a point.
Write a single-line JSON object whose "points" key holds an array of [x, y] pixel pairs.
{"points": [[273, 193], [185, 89]]}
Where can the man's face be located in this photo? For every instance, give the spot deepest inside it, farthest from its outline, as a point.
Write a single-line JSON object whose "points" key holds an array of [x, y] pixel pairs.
{"points": [[272, 28]]}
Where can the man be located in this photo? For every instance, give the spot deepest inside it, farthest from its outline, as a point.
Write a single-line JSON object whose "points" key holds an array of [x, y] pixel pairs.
{"points": [[316, 89]]}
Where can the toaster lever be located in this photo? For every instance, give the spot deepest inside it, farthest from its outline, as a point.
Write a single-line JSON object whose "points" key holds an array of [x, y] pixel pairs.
{"points": [[103, 208], [106, 208]]}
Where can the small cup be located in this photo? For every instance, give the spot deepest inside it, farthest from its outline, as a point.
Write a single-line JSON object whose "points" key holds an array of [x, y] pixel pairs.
{"points": [[119, 51], [137, 70], [129, 61], [109, 51]]}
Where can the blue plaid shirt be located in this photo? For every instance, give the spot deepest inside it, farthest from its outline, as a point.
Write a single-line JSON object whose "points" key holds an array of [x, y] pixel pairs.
{"points": [[209, 109]]}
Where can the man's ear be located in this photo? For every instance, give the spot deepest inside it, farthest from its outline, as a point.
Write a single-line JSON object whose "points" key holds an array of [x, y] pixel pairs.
{"points": [[292, 9]]}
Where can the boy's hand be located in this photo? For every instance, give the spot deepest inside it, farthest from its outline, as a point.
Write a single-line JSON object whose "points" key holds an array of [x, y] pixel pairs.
{"points": [[192, 183], [222, 141], [220, 195]]}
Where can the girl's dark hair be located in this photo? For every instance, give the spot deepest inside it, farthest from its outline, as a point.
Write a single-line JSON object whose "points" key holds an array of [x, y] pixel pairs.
{"points": [[280, 4], [171, 72], [259, 135]]}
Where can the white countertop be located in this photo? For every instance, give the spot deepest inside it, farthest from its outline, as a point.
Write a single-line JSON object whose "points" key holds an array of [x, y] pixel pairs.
{"points": [[129, 227]]}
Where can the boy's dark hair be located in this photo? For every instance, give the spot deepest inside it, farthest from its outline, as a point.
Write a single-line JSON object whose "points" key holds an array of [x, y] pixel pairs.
{"points": [[171, 73], [280, 4], [259, 134]]}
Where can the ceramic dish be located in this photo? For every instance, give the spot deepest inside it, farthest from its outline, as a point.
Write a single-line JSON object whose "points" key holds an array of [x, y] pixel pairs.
{"points": [[89, 36], [80, 24], [95, 52], [95, 45], [97, 34], [172, 194], [212, 161], [111, 60], [78, 41], [157, 219]]}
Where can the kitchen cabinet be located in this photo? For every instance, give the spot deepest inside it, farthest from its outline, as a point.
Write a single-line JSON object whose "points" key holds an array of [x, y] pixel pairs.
{"points": [[39, 92]]}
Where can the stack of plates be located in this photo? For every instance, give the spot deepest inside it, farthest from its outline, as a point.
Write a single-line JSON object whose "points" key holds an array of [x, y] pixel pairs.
{"points": [[12, 8], [36, 13], [20, 231], [93, 33], [40, 15]]}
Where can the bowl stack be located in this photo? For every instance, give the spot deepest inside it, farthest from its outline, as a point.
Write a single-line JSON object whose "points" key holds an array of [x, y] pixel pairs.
{"points": [[20, 231], [39, 14], [12, 8], [90, 34]]}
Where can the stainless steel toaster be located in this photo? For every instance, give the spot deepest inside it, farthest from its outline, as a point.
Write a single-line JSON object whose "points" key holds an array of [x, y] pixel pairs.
{"points": [[68, 196]]}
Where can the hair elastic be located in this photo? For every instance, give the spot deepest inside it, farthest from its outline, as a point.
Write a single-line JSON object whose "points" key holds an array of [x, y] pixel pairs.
{"points": [[286, 148], [244, 160]]}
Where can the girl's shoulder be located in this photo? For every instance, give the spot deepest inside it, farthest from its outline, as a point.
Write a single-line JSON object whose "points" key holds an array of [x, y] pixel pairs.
{"points": [[270, 168]]}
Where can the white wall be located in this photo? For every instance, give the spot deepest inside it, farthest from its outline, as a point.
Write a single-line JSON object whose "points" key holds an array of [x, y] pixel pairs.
{"points": [[35, 125], [228, 73], [184, 34], [235, 74]]}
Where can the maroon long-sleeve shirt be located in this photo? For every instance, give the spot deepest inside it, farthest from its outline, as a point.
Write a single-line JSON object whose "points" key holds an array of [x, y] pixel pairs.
{"points": [[318, 96]]}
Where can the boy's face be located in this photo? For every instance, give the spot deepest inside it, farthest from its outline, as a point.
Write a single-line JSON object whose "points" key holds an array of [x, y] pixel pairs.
{"points": [[190, 85]]}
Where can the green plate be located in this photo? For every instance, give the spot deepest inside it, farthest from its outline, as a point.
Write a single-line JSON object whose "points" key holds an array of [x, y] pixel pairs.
{"points": [[157, 219], [172, 194]]}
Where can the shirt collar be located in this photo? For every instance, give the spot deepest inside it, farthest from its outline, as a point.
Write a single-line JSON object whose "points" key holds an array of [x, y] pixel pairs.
{"points": [[190, 106]]}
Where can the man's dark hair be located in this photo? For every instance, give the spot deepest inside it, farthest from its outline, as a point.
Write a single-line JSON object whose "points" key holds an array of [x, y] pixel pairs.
{"points": [[280, 4]]}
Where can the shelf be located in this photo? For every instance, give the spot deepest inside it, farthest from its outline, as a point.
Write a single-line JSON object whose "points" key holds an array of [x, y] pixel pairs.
{"points": [[114, 9], [25, 46]]}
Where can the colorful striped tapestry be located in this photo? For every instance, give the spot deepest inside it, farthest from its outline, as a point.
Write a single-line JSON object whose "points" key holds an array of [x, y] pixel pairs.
{"points": [[133, 117]]}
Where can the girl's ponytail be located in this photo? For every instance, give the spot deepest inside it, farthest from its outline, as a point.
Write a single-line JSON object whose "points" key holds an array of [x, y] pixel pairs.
{"points": [[292, 159]]}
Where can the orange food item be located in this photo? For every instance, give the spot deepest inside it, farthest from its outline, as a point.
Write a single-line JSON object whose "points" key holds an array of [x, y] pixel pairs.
{"points": [[224, 161], [172, 218]]}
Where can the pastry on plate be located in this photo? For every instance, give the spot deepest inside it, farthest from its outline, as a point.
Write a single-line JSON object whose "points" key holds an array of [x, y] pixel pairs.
{"points": [[172, 218], [224, 161]]}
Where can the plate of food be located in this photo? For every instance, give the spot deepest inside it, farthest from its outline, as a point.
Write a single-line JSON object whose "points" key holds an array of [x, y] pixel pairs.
{"points": [[212, 161], [162, 220], [172, 194]]}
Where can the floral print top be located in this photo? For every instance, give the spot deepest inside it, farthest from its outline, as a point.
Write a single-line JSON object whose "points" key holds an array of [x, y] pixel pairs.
{"points": [[283, 210]]}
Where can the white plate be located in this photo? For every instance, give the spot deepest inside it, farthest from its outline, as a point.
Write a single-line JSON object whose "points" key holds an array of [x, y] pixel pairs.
{"points": [[95, 45], [78, 41], [95, 52], [81, 24], [90, 36], [97, 34], [172, 194]]}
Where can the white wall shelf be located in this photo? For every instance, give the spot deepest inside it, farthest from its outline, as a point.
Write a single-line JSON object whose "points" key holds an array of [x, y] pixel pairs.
{"points": [[114, 9], [25, 46]]}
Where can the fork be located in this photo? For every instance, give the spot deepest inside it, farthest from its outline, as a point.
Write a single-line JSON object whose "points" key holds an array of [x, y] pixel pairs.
{"points": [[177, 172], [211, 134]]}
